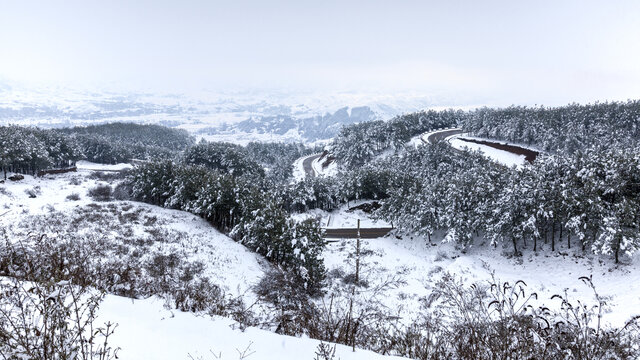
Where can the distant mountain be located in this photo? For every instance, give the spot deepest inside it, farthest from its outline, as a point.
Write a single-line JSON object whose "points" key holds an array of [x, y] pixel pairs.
{"points": [[234, 116], [307, 129]]}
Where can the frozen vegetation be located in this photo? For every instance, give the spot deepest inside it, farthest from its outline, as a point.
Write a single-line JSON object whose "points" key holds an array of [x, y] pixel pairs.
{"points": [[204, 250]]}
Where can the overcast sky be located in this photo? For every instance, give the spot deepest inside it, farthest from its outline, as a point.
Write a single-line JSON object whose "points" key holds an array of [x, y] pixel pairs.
{"points": [[526, 52]]}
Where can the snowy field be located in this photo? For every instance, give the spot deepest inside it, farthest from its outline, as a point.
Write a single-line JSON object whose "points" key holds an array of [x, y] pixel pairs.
{"points": [[344, 218], [226, 263], [401, 272], [171, 335], [420, 265]]}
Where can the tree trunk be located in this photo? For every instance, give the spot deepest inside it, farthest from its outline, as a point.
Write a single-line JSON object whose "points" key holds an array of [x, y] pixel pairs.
{"points": [[569, 239], [515, 246], [560, 238]]}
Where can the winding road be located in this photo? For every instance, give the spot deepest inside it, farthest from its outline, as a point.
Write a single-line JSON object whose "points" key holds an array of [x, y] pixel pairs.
{"points": [[306, 165], [370, 233], [432, 138], [441, 135]]}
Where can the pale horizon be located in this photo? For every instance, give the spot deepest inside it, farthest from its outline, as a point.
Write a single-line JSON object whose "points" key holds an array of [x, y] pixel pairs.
{"points": [[543, 53]]}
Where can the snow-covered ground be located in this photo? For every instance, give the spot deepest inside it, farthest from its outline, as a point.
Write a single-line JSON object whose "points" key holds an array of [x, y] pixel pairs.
{"points": [[298, 169], [146, 330], [500, 156], [421, 265], [88, 165], [330, 170], [226, 263], [343, 217]]}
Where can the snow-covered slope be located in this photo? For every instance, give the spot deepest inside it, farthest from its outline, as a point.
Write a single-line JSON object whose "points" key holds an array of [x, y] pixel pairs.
{"points": [[146, 330], [47, 201], [417, 265]]}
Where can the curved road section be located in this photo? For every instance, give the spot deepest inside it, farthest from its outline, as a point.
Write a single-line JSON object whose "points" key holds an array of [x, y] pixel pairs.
{"points": [[306, 165], [436, 136]]}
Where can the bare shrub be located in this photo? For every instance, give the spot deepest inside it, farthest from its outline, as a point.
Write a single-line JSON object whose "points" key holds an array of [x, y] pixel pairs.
{"points": [[107, 176], [498, 321], [75, 180], [100, 193], [4, 191], [325, 351], [293, 311], [122, 192], [494, 320], [44, 317], [73, 197], [33, 192]]}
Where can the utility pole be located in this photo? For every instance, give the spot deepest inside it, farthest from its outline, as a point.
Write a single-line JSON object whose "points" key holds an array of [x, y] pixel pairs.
{"points": [[353, 294], [358, 255]]}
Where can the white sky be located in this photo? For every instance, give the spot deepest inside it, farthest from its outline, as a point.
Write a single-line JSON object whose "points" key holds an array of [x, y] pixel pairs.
{"points": [[542, 52]]}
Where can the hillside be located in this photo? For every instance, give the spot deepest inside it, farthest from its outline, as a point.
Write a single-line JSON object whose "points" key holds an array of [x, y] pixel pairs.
{"points": [[227, 235]]}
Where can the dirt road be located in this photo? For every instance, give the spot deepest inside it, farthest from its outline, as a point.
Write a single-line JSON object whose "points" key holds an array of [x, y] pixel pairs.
{"points": [[350, 233], [529, 155]]}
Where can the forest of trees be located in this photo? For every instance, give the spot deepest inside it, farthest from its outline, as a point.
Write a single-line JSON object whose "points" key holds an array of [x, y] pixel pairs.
{"points": [[561, 130], [245, 207], [358, 144], [121, 142], [584, 192], [28, 150]]}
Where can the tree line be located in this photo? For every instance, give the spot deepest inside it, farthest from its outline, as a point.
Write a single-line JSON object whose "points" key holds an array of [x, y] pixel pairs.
{"points": [[561, 130], [583, 192], [28, 150], [221, 183]]}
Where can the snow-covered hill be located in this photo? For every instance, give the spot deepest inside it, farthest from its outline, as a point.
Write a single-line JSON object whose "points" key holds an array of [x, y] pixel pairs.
{"points": [[399, 272]]}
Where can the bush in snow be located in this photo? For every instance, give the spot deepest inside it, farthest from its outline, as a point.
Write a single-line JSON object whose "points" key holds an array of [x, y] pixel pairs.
{"points": [[45, 317], [293, 311], [297, 247], [73, 197], [122, 192], [33, 192], [498, 320], [100, 193]]}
